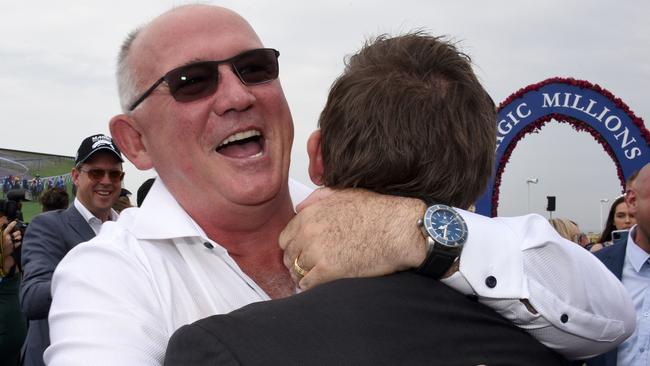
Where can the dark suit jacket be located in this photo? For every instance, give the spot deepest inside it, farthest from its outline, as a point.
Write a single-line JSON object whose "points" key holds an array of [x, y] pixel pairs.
{"points": [[402, 319], [613, 258], [48, 238]]}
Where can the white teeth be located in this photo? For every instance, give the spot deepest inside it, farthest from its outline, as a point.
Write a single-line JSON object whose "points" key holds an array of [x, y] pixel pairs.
{"points": [[256, 155], [239, 136]]}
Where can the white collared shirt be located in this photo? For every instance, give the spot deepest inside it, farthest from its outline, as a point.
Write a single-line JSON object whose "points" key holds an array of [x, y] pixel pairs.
{"points": [[118, 298], [582, 308], [635, 351], [92, 220]]}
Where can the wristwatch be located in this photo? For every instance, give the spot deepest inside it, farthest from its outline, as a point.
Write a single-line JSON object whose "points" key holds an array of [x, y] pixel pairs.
{"points": [[446, 233]]}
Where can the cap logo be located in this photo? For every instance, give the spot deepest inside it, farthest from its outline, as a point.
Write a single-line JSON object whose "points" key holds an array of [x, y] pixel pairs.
{"points": [[102, 142]]}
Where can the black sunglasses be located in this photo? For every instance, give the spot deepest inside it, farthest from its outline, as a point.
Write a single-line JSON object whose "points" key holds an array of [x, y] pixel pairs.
{"points": [[197, 80], [98, 174]]}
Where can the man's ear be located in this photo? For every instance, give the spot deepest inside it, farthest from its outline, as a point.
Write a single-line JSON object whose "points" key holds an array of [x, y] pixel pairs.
{"points": [[315, 158], [75, 176], [129, 140], [630, 201]]}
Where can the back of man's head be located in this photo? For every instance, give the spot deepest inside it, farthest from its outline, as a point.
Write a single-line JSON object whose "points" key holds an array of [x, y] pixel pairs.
{"points": [[408, 117]]}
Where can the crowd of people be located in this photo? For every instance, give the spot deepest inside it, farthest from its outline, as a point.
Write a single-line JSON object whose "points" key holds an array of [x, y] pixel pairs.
{"points": [[385, 265], [34, 185], [619, 221]]}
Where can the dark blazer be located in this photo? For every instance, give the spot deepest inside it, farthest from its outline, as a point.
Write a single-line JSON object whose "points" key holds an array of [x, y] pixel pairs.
{"points": [[402, 319], [613, 258], [48, 238]]}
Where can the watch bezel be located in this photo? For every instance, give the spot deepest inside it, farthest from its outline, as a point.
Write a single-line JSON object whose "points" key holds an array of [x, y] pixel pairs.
{"points": [[428, 227]]}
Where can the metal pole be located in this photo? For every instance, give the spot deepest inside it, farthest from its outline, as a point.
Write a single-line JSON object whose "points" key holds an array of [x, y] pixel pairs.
{"points": [[602, 203], [528, 182]]}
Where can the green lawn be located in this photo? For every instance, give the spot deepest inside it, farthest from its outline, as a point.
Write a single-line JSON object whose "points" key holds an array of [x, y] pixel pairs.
{"points": [[30, 209]]}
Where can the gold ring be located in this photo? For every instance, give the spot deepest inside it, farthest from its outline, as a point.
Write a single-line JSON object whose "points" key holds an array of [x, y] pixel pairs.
{"points": [[300, 272]]}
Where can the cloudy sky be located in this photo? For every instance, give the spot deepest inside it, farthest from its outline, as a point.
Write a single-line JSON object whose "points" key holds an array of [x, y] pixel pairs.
{"points": [[58, 63]]}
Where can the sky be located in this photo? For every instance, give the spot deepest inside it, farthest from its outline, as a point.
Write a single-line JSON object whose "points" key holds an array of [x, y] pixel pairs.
{"points": [[57, 84]]}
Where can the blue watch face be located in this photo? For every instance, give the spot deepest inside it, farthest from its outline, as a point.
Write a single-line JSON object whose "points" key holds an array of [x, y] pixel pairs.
{"points": [[445, 225]]}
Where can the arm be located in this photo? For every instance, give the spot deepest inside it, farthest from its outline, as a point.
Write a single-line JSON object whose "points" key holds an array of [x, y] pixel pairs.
{"points": [[9, 243], [104, 309], [43, 249], [355, 233]]}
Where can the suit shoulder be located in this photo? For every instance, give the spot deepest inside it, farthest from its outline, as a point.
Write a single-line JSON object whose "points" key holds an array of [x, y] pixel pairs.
{"points": [[184, 343], [610, 250], [46, 217]]}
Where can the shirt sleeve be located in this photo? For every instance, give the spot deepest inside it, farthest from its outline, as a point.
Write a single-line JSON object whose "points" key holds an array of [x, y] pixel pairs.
{"points": [[580, 309], [42, 250], [104, 310]]}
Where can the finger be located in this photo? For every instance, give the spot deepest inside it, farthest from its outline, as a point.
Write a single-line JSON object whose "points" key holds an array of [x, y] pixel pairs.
{"points": [[9, 227], [316, 276], [316, 196], [287, 243], [289, 232]]}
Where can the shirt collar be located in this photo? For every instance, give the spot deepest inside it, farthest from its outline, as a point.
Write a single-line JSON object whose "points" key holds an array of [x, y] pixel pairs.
{"points": [[88, 216], [637, 256], [161, 217]]}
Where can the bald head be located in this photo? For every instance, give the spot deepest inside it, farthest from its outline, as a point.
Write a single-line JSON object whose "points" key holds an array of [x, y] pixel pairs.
{"points": [[145, 54]]}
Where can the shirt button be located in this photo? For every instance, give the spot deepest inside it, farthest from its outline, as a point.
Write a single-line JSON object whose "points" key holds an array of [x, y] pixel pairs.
{"points": [[564, 318], [490, 281], [646, 314], [208, 245]]}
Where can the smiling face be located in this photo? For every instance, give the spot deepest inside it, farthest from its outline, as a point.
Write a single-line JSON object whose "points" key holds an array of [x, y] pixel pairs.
{"points": [[98, 196], [228, 148]]}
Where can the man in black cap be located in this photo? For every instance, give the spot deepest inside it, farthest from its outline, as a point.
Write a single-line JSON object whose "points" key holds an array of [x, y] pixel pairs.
{"points": [[97, 176]]}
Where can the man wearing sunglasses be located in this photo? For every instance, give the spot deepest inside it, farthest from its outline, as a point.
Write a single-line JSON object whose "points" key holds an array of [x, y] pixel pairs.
{"points": [[203, 106], [97, 175]]}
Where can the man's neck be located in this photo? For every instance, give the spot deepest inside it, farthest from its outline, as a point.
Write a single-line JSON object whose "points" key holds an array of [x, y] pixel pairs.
{"points": [[641, 240], [250, 234]]}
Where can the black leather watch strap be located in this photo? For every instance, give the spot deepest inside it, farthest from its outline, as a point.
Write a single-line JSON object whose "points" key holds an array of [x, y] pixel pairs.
{"points": [[436, 263]]}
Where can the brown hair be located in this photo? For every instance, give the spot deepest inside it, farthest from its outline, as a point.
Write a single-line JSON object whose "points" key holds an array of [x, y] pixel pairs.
{"points": [[54, 199], [609, 224], [408, 117]]}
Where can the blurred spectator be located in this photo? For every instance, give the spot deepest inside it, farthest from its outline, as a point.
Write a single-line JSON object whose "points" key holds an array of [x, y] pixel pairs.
{"points": [[619, 218], [629, 260], [143, 190], [123, 201], [54, 199], [13, 326], [98, 176], [569, 230]]}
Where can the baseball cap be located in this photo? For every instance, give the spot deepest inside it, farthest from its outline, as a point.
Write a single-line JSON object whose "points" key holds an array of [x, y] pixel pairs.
{"points": [[95, 143]]}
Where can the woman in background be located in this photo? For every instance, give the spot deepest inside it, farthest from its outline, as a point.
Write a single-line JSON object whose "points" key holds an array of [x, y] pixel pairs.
{"points": [[618, 218]]}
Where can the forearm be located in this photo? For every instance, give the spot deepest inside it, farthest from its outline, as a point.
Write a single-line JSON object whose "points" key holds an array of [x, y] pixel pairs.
{"points": [[539, 282], [42, 250], [36, 298]]}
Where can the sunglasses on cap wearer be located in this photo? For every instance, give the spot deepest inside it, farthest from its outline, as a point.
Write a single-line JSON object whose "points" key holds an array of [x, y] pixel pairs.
{"points": [[200, 79], [98, 174]]}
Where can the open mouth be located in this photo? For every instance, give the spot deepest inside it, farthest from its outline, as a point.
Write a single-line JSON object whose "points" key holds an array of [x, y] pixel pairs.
{"points": [[245, 144]]}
